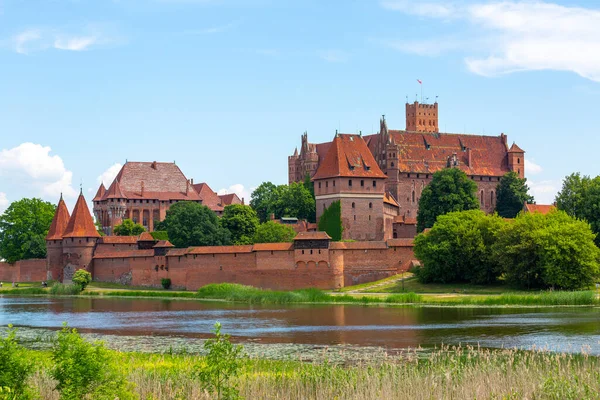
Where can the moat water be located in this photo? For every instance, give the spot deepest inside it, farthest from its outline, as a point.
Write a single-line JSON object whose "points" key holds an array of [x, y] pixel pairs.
{"points": [[356, 326]]}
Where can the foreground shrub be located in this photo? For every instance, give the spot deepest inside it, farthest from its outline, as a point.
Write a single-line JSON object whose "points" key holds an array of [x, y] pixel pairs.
{"points": [[85, 370], [222, 363], [82, 278], [60, 289], [166, 283], [15, 368]]}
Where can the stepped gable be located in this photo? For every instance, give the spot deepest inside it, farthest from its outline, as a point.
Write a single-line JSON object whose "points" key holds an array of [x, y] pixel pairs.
{"points": [[114, 191], [100, 193], [81, 223], [429, 152], [59, 221], [348, 156], [154, 181], [208, 197]]}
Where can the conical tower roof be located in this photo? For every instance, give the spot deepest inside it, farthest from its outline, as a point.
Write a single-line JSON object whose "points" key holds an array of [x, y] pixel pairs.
{"points": [[81, 223], [59, 222], [515, 149], [100, 192], [114, 191]]}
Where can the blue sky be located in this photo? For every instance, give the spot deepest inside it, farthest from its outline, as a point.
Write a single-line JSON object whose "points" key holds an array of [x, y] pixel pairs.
{"points": [[226, 87]]}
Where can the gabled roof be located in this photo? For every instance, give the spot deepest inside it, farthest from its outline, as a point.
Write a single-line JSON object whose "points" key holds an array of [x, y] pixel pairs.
{"points": [[59, 221], [114, 191], [163, 244], [539, 208], [81, 223], [389, 199], [515, 149], [146, 237], [154, 181], [348, 156], [208, 197], [100, 193], [228, 199]]}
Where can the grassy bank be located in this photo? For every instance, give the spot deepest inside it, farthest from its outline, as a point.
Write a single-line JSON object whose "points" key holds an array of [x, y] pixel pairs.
{"points": [[448, 373]]}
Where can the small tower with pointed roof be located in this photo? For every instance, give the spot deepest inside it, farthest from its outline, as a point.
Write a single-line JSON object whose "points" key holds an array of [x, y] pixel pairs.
{"points": [[78, 240], [54, 250], [516, 160]]}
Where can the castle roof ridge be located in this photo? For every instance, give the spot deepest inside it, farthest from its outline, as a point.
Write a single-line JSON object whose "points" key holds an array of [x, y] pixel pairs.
{"points": [[81, 223], [59, 221]]}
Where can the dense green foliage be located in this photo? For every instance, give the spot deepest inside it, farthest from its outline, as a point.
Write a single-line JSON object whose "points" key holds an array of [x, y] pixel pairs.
{"points": [[531, 251], [331, 221], [165, 283], [15, 367], [580, 197], [160, 235], [542, 251], [309, 184], [272, 232], [23, 229], [192, 224], [511, 195], [223, 362], [129, 228], [241, 221], [85, 369], [450, 190], [294, 200], [458, 249], [82, 278]]}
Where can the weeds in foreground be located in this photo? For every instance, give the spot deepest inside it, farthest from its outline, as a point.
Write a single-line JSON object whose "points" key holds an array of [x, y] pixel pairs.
{"points": [[60, 289]]}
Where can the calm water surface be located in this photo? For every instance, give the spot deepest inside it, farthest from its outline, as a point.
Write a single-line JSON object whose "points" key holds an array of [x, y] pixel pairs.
{"points": [[564, 329]]}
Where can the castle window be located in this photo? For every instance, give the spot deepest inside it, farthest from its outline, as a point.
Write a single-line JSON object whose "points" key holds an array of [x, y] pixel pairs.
{"points": [[350, 182], [353, 205], [392, 164], [518, 161], [319, 185], [482, 197], [374, 183], [302, 251], [311, 252], [413, 196], [333, 183], [492, 198], [362, 183], [327, 184], [370, 205], [355, 217]]}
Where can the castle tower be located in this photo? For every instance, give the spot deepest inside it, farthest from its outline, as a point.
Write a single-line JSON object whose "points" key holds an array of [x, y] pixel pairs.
{"points": [[350, 174], [516, 160], [292, 167], [99, 212], [54, 251], [116, 205], [422, 117], [79, 240]]}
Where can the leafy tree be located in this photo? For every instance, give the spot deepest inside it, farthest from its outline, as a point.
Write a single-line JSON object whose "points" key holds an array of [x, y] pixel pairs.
{"points": [[82, 278], [99, 228], [223, 362], [458, 248], [553, 250], [160, 235], [450, 190], [272, 232], [241, 221], [297, 201], [15, 367], [129, 228], [23, 229], [309, 184], [192, 224], [331, 221], [511, 195], [85, 369], [580, 198], [264, 200]]}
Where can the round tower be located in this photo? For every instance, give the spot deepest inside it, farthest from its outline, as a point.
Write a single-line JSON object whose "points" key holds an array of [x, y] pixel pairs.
{"points": [[336, 262], [54, 250]]}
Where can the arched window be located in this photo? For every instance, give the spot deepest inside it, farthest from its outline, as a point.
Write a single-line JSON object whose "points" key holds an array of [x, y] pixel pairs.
{"points": [[392, 164], [518, 161], [413, 196], [353, 205], [370, 205], [481, 197]]}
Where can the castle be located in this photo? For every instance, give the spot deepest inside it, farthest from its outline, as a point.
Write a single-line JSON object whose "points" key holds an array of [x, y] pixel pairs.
{"points": [[311, 260], [379, 178], [144, 191]]}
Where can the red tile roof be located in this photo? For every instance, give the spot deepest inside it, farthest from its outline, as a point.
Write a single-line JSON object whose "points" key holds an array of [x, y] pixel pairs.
{"points": [[273, 247], [154, 181], [515, 149], [100, 193], [348, 156], [59, 222], [81, 223], [401, 242], [220, 249], [312, 236], [228, 199], [403, 219], [118, 240], [389, 199], [208, 197], [124, 254], [358, 245], [539, 208], [114, 191], [145, 237], [163, 244]]}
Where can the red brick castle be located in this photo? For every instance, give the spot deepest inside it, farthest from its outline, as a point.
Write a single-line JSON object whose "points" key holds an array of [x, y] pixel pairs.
{"points": [[379, 178]]}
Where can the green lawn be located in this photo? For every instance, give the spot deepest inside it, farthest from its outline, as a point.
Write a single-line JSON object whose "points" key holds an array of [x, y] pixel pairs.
{"points": [[413, 285]]}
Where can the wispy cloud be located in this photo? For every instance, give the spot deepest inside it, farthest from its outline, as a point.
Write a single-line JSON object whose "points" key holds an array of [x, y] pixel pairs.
{"points": [[517, 36], [532, 168], [22, 40], [544, 192], [76, 43]]}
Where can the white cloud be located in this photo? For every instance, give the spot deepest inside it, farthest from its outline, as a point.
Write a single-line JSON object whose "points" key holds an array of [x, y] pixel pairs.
{"points": [[108, 176], [532, 168], [238, 189], [33, 165], [75, 43], [3, 202], [518, 36], [544, 192], [334, 56], [24, 38]]}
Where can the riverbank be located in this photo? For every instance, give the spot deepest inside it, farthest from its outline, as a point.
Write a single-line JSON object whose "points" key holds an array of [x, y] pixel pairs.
{"points": [[250, 295], [445, 373]]}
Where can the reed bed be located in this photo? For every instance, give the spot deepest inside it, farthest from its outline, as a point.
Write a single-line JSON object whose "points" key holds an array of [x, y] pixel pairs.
{"points": [[59, 289], [447, 373]]}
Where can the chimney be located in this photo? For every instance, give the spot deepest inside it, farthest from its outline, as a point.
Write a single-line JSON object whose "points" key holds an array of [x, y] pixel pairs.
{"points": [[187, 187], [469, 157], [142, 194], [153, 165], [192, 180]]}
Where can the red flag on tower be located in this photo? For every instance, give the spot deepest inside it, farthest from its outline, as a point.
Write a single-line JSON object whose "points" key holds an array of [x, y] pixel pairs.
{"points": [[420, 82]]}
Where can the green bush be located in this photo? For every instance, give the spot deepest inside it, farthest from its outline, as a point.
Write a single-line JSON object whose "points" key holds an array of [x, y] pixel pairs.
{"points": [[60, 289], [82, 278], [85, 369], [15, 368], [166, 283], [331, 221], [160, 235]]}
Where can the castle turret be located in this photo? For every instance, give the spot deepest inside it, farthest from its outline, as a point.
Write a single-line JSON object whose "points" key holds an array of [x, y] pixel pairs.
{"points": [[100, 214], [117, 205], [54, 251], [422, 117], [292, 167], [516, 160], [79, 240]]}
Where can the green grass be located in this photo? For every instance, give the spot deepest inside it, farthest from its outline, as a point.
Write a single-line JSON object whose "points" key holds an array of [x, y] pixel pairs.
{"points": [[360, 287], [413, 285], [59, 289], [23, 291], [111, 285]]}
